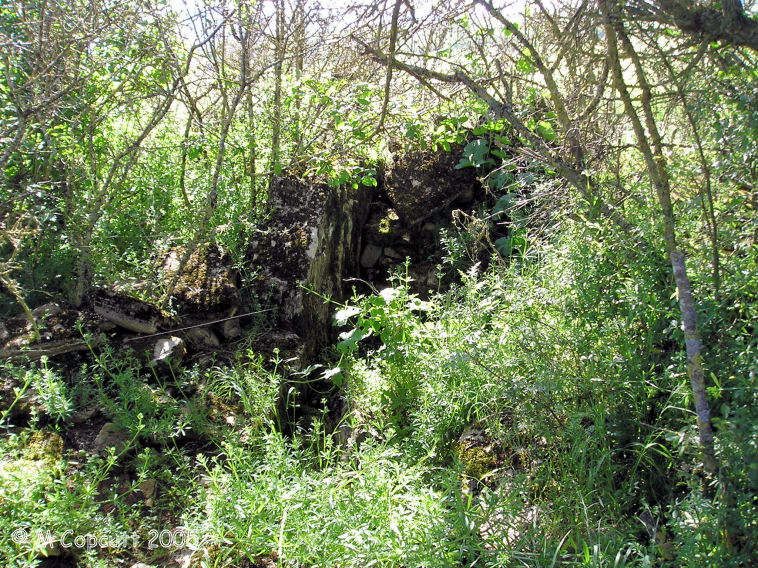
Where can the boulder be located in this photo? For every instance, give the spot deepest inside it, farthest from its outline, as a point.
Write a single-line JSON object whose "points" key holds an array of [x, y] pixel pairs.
{"points": [[147, 490], [231, 328], [389, 252], [46, 311], [480, 457], [202, 337], [414, 205], [207, 284], [110, 436], [128, 313]]}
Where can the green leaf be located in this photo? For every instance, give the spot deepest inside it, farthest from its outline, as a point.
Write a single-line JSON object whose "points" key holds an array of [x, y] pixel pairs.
{"points": [[350, 339], [504, 203], [504, 246], [545, 129], [475, 154], [369, 181], [500, 179], [342, 316], [524, 65]]}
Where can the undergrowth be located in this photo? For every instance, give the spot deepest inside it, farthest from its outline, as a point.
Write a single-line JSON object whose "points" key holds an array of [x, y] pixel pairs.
{"points": [[566, 366]]}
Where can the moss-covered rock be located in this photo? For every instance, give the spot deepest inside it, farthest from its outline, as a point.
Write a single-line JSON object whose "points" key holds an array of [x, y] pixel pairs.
{"points": [[479, 455], [478, 462], [47, 446], [207, 283]]}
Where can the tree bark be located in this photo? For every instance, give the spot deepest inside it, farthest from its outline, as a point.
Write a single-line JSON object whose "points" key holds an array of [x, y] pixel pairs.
{"points": [[730, 25], [657, 170], [276, 126]]}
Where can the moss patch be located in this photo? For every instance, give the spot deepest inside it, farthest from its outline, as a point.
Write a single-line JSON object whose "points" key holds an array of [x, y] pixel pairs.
{"points": [[478, 461], [46, 446]]}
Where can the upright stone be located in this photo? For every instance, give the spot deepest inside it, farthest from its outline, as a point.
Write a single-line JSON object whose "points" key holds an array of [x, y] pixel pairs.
{"points": [[309, 245]]}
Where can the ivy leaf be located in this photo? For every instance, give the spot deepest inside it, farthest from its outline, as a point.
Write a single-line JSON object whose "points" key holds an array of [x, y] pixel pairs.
{"points": [[475, 154], [499, 179]]}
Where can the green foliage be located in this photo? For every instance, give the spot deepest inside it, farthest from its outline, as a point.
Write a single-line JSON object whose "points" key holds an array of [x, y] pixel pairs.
{"points": [[46, 501], [374, 508], [475, 155], [574, 369], [137, 406], [51, 392], [23, 381], [389, 315], [40, 389], [566, 352], [248, 384], [568, 362]]}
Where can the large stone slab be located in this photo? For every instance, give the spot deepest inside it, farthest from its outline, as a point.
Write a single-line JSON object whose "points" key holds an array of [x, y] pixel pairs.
{"points": [[304, 252], [421, 183]]}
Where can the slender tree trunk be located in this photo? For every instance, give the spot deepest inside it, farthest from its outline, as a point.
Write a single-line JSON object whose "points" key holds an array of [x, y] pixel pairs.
{"points": [[706, 191], [276, 126], [252, 148], [388, 76], [299, 17], [649, 144]]}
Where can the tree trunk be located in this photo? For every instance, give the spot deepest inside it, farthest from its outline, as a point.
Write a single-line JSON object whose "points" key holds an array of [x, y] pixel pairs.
{"points": [[649, 144], [276, 126]]}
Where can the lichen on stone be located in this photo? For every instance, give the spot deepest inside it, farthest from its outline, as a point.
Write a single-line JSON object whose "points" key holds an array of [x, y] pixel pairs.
{"points": [[207, 282]]}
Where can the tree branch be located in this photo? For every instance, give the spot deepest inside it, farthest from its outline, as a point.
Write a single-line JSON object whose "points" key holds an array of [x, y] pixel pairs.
{"points": [[730, 25]]}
